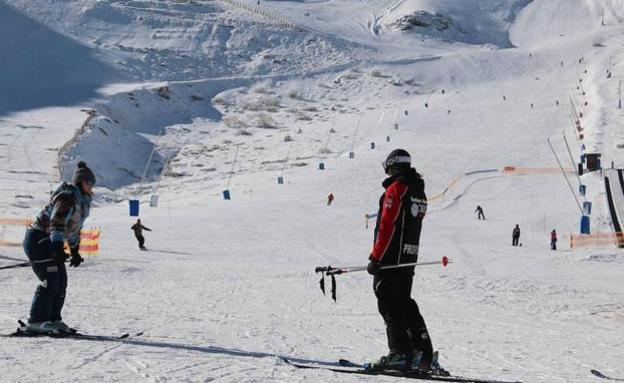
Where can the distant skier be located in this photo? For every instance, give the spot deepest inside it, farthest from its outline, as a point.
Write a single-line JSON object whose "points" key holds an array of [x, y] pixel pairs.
{"points": [[330, 199], [479, 212], [138, 233], [59, 221], [397, 234], [553, 240], [515, 236]]}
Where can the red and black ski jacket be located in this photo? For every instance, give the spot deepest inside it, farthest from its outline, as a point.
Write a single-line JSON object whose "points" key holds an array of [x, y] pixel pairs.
{"points": [[401, 210]]}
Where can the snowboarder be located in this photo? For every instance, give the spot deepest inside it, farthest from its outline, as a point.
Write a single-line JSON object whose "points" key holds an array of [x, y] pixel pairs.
{"points": [[479, 212], [553, 240], [397, 235], [138, 233], [59, 221], [515, 236], [330, 199]]}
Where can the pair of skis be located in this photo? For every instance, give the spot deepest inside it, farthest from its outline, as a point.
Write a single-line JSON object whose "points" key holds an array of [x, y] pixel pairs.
{"points": [[348, 367]]}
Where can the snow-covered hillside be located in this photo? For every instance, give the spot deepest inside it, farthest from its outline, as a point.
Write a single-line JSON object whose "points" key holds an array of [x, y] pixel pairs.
{"points": [[160, 97]]}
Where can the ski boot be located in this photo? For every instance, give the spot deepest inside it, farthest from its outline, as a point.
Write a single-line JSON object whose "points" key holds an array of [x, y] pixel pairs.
{"points": [[44, 328], [416, 357], [436, 369], [394, 361], [421, 366], [63, 328]]}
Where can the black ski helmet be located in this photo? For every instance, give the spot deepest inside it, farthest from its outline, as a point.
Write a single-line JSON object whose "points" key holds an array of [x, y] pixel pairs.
{"points": [[398, 159]]}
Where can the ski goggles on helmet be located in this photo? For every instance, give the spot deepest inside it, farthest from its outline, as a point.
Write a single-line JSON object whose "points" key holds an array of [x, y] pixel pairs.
{"points": [[389, 162]]}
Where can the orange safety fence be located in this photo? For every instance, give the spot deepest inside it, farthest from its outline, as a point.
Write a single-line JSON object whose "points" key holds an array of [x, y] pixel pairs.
{"points": [[89, 242], [522, 171], [9, 243], [439, 196], [15, 221], [596, 240]]}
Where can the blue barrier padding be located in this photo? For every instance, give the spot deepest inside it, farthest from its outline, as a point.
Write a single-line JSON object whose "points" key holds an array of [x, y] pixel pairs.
{"points": [[134, 207], [585, 224]]}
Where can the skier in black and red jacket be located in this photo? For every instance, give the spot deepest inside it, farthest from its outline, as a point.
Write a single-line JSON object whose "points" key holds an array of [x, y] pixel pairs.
{"points": [[402, 208]]}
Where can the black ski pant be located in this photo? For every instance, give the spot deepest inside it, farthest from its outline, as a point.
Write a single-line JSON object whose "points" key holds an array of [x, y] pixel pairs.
{"points": [[141, 240], [405, 327], [49, 297], [514, 241], [481, 215]]}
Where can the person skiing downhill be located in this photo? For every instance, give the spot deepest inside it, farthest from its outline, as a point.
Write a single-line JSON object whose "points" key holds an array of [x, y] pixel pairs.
{"points": [[553, 240], [330, 199], [138, 233], [402, 208], [60, 220], [515, 236], [479, 212]]}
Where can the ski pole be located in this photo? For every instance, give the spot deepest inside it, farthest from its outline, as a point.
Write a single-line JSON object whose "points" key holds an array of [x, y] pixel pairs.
{"points": [[341, 270], [24, 264], [333, 271]]}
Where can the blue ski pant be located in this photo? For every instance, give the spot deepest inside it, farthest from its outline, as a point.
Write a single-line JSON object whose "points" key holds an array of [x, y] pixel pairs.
{"points": [[49, 298]]}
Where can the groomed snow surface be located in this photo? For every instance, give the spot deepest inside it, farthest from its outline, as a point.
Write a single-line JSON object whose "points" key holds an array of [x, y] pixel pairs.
{"points": [[157, 95]]}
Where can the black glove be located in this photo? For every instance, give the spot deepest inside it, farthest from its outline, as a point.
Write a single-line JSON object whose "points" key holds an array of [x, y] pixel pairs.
{"points": [[58, 252], [76, 259], [373, 267]]}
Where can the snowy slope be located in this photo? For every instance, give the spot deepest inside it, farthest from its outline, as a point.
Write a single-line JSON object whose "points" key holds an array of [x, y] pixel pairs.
{"points": [[228, 286]]}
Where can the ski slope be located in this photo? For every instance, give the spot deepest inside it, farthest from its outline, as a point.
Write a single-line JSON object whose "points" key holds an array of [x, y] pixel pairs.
{"points": [[228, 287]]}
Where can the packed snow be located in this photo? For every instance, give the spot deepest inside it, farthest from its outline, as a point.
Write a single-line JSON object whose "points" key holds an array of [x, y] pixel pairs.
{"points": [[184, 99]]}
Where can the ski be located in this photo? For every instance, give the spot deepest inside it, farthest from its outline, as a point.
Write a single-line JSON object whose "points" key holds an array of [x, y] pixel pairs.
{"points": [[20, 333], [356, 369], [603, 376], [77, 335]]}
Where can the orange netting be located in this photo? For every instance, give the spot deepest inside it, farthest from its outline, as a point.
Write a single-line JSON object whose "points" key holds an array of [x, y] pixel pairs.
{"points": [[15, 221], [597, 240]]}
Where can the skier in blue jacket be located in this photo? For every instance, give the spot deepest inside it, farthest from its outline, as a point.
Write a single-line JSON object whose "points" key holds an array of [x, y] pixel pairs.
{"points": [[60, 220]]}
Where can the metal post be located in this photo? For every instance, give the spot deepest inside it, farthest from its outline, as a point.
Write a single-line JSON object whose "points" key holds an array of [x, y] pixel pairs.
{"points": [[566, 177], [620, 95], [572, 158], [357, 128], [233, 164]]}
